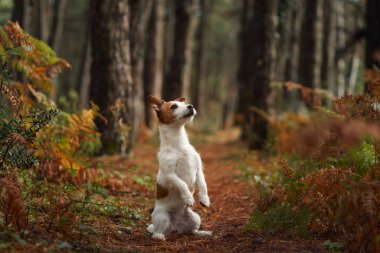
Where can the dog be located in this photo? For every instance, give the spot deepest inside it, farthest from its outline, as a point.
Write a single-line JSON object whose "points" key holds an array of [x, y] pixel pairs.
{"points": [[180, 168]]}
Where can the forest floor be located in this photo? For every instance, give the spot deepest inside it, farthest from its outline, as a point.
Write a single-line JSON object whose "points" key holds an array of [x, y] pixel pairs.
{"points": [[232, 201]]}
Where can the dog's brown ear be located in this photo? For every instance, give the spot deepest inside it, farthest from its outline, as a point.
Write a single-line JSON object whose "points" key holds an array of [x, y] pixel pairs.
{"points": [[155, 102], [180, 99]]}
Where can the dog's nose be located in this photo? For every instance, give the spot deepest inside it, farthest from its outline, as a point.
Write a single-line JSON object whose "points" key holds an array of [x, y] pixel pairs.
{"points": [[190, 107]]}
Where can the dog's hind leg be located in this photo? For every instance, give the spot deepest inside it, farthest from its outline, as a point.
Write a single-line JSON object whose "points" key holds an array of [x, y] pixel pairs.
{"points": [[161, 224], [189, 222]]}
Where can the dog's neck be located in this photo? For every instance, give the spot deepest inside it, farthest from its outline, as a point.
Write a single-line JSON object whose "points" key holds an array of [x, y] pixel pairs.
{"points": [[173, 137]]}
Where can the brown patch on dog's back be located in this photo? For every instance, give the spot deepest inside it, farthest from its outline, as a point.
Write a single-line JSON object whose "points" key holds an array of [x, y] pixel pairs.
{"points": [[165, 115], [162, 192]]}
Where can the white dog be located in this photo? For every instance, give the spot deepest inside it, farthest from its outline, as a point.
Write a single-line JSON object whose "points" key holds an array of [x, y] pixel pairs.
{"points": [[180, 166]]}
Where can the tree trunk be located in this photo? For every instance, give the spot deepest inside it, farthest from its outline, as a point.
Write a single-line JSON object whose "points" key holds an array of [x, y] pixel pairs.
{"points": [[256, 68], [111, 81], [18, 12], [245, 47], [373, 34], [153, 65], [311, 45], [57, 23], [140, 11], [341, 42], [199, 65], [329, 30], [291, 69], [178, 76], [83, 78], [40, 25]]}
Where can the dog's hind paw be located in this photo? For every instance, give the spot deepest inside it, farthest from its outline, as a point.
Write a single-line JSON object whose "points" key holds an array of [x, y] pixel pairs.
{"points": [[159, 237], [202, 233]]}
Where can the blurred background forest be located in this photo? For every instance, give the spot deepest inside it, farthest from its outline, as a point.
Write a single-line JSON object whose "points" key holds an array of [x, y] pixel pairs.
{"points": [[218, 54], [287, 92]]}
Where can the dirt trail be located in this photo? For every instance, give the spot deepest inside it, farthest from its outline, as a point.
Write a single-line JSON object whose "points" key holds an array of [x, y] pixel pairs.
{"points": [[232, 201]]}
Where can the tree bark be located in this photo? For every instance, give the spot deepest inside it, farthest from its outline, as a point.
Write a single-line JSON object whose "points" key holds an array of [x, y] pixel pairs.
{"points": [[373, 34], [83, 77], [329, 31], [18, 12], [341, 42], [291, 69], [199, 64], [111, 80], [57, 23], [40, 24], [311, 45], [178, 76], [140, 11], [153, 65], [256, 68]]}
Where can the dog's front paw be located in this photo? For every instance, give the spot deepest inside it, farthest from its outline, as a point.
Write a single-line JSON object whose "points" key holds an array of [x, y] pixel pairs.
{"points": [[189, 200], [159, 237], [205, 201]]}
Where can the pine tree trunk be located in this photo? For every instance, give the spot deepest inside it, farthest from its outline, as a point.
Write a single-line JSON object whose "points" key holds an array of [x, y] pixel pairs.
{"points": [[57, 23], [40, 24], [329, 39], [18, 12], [199, 64], [256, 67], [341, 42], [140, 13], [311, 45], [291, 69], [83, 78], [111, 81], [373, 34], [178, 75], [153, 65]]}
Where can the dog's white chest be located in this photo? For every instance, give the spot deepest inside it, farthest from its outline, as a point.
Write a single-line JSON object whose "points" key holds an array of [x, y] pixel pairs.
{"points": [[187, 168]]}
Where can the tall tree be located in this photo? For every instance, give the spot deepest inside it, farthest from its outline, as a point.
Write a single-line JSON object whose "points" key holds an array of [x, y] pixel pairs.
{"points": [[59, 9], [341, 42], [153, 65], [373, 34], [140, 13], [256, 68], [311, 44], [178, 76], [291, 68], [111, 81], [40, 19], [18, 12], [199, 66], [329, 44]]}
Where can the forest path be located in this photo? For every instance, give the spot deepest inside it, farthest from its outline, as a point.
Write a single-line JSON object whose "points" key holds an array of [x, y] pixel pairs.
{"points": [[232, 202]]}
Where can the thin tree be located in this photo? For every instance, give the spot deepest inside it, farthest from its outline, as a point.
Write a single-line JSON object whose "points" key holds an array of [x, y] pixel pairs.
{"points": [[199, 64], [311, 44], [111, 81], [178, 76], [59, 9], [373, 34], [140, 13], [153, 65]]}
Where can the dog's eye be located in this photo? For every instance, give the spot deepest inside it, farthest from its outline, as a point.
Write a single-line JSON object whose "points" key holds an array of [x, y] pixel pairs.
{"points": [[173, 107]]}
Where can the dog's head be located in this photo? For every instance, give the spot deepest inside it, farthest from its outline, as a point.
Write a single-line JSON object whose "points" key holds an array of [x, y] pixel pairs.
{"points": [[175, 112]]}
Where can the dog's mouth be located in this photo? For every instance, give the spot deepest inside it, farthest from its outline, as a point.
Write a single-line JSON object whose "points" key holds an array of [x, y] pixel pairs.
{"points": [[191, 113]]}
